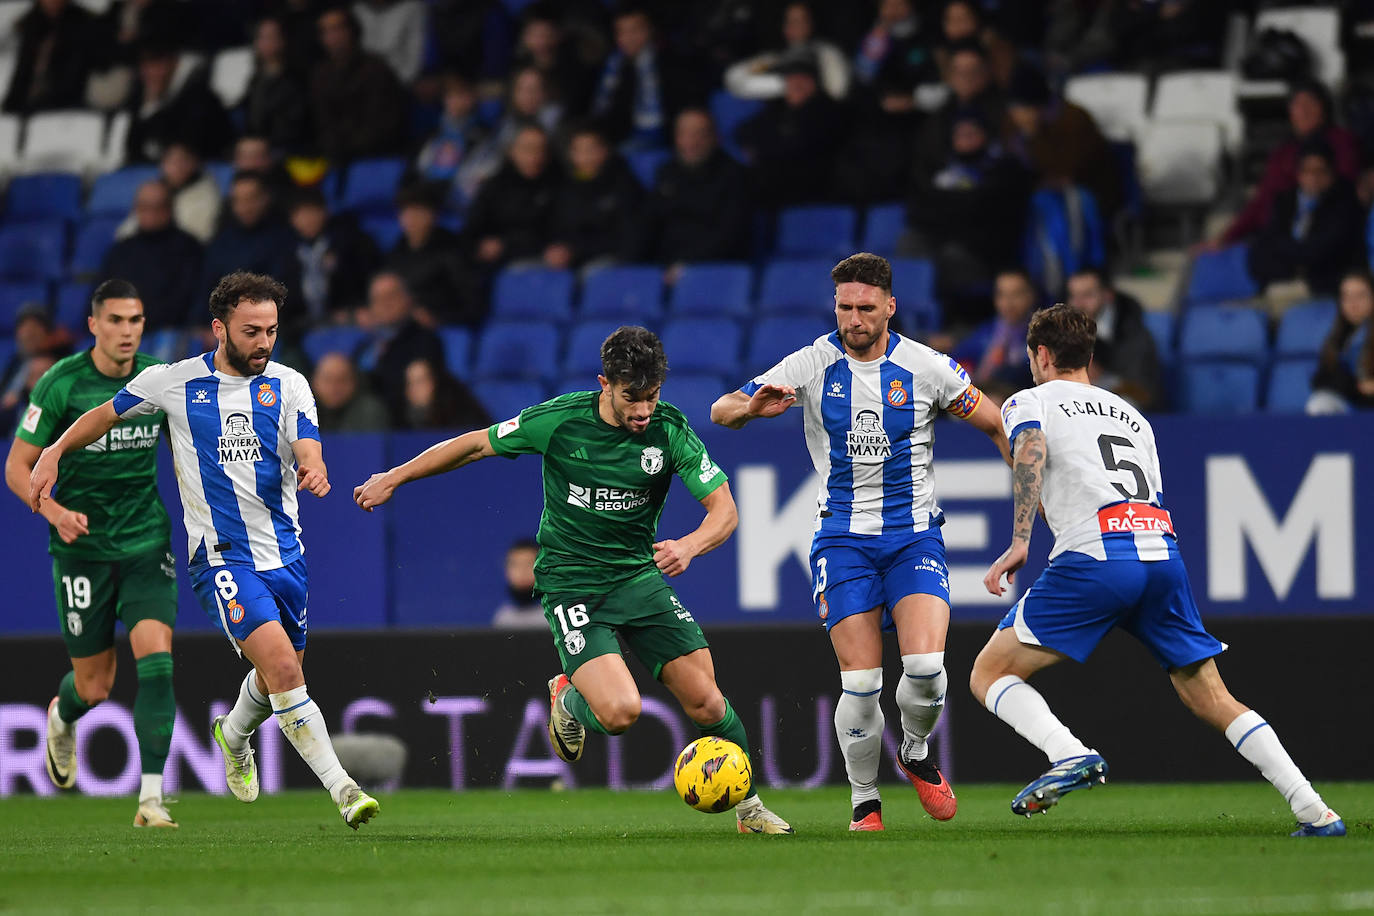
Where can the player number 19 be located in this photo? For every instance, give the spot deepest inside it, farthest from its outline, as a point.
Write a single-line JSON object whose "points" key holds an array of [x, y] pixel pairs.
{"points": [[575, 618], [78, 591]]}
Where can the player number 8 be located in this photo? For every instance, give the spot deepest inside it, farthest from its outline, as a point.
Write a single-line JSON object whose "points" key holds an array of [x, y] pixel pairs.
{"points": [[574, 618], [224, 581]]}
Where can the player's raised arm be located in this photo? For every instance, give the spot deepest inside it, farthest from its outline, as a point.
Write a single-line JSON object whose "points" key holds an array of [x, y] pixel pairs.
{"points": [[735, 408], [89, 427], [1027, 480], [438, 458], [673, 556]]}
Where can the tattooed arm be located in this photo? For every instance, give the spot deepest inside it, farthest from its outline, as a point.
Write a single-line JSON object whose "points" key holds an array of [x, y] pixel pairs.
{"points": [[1027, 478]]}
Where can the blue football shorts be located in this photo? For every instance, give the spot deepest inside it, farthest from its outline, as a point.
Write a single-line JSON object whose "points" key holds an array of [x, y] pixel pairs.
{"points": [[1077, 600], [240, 598], [852, 574]]}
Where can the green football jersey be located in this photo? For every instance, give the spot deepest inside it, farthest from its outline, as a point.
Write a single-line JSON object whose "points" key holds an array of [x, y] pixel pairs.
{"points": [[604, 487], [114, 479]]}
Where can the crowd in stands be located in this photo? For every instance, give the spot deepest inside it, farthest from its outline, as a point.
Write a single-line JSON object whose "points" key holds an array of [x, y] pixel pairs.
{"points": [[393, 161]]}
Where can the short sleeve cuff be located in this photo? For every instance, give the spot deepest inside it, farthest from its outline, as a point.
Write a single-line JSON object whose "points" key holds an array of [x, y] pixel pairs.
{"points": [[305, 427], [750, 387], [1019, 429], [124, 402]]}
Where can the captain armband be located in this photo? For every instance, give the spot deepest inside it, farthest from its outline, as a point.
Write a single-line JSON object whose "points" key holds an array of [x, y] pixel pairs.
{"points": [[965, 404]]}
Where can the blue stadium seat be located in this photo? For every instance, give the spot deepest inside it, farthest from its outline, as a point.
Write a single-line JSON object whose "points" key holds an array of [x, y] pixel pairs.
{"points": [[816, 231], [913, 285], [113, 193], [1220, 276], [504, 398], [1219, 388], [1224, 332], [6, 353], [370, 185], [333, 339], [73, 305], [729, 112], [525, 350], [712, 289], [1304, 327], [457, 349], [1064, 234], [532, 293], [33, 251], [693, 393], [796, 287], [223, 173], [633, 294], [47, 195], [14, 296], [579, 381], [770, 339], [385, 231], [883, 225], [1290, 385], [168, 344], [1163, 327], [93, 240], [702, 345], [645, 164], [582, 357]]}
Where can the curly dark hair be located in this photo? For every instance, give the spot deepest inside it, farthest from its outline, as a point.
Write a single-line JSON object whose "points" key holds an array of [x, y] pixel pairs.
{"points": [[634, 356], [870, 269], [1066, 332], [242, 286]]}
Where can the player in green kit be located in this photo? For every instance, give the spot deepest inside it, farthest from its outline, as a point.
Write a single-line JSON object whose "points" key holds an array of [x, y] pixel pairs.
{"points": [[109, 537], [609, 456]]}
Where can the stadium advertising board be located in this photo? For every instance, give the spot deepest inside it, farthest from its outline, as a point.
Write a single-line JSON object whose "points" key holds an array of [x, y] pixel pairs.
{"points": [[470, 709]]}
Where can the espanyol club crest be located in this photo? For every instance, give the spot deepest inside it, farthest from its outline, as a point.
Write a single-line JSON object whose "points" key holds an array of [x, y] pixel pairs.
{"points": [[651, 460], [896, 394], [266, 396], [574, 642]]}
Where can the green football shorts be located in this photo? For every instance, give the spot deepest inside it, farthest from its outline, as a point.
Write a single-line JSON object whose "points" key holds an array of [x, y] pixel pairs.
{"points": [[644, 611], [93, 594]]}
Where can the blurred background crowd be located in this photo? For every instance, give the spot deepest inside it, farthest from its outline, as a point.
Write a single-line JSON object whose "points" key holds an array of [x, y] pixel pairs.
{"points": [[465, 196]]}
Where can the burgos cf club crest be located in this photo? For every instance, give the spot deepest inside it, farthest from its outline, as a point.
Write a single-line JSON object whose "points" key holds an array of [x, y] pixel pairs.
{"points": [[651, 460], [238, 442]]}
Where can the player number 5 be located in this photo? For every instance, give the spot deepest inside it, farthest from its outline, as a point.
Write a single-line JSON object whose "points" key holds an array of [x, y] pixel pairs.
{"points": [[575, 618], [1107, 446]]}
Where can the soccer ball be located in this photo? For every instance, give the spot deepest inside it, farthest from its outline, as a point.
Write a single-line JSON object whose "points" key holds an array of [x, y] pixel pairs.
{"points": [[712, 775]]}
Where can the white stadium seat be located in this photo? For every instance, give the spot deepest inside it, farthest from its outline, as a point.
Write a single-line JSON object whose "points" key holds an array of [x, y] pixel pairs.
{"points": [[115, 140], [9, 141], [1201, 95], [1115, 100], [64, 141], [10, 12], [1320, 27], [1180, 162], [229, 74]]}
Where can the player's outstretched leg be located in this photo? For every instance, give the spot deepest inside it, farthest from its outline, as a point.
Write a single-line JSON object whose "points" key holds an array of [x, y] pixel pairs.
{"points": [[750, 814], [232, 733], [154, 716], [1201, 689], [1073, 764], [921, 699], [859, 729], [301, 721]]}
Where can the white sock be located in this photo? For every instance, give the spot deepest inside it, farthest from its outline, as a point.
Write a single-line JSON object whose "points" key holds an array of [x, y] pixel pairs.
{"points": [[251, 710], [859, 726], [921, 699], [303, 725], [1254, 738], [1023, 708], [151, 788]]}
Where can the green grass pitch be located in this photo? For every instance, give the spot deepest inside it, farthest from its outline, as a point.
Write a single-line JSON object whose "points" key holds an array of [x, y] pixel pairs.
{"points": [[1120, 849]]}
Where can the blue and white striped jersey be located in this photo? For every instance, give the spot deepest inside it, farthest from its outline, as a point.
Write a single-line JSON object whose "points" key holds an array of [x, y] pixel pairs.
{"points": [[231, 443], [868, 428]]}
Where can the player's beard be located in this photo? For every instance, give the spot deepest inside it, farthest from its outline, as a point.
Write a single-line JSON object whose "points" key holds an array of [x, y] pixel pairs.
{"points": [[861, 344], [240, 360]]}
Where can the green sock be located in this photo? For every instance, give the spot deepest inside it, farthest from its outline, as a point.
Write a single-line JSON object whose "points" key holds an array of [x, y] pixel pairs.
{"points": [[155, 710], [577, 705], [70, 706], [731, 729]]}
